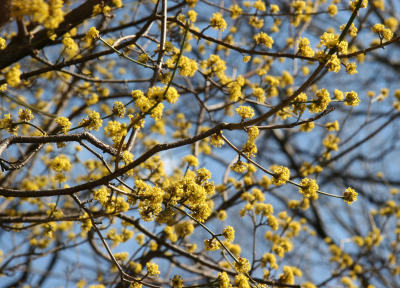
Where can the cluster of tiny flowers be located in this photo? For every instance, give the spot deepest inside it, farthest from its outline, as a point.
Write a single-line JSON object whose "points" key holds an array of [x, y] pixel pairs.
{"points": [[191, 160], [351, 99], [242, 265], [350, 195], [331, 142], [63, 123], [152, 269], [218, 22], [304, 48], [281, 175], [216, 140], [333, 63], [229, 233], [239, 166], [309, 188], [264, 39], [119, 109], [49, 14], [223, 280], [2, 43], [329, 40], [245, 112], [115, 130], [352, 29], [13, 76], [92, 122], [353, 4], [150, 204], [7, 123], [25, 115], [382, 31], [60, 163], [322, 101]]}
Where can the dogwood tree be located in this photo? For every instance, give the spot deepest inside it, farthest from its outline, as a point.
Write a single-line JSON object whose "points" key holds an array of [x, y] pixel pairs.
{"points": [[199, 143]]}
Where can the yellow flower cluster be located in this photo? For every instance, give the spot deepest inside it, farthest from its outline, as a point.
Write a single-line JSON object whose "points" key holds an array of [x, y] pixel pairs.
{"points": [[2, 43], [184, 229], [274, 8], [229, 233], [216, 140], [289, 272], [382, 31], [322, 101], [218, 22], [92, 33], [155, 95], [63, 123], [223, 280], [235, 11], [332, 126], [25, 115], [187, 66], [329, 40], [152, 269], [245, 112], [353, 4], [119, 109], [116, 131], [239, 166], [270, 259], [350, 195], [242, 265], [211, 244], [101, 195], [215, 65], [331, 142], [235, 88], [13, 76], [92, 122], [263, 38], [191, 160], [309, 188], [307, 169], [332, 10], [60, 163], [151, 198], [7, 123], [351, 99], [304, 48], [256, 22], [71, 48], [352, 30], [49, 14], [333, 63], [281, 175]]}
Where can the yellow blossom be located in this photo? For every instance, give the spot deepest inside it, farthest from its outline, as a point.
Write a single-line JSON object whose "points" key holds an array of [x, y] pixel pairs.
{"points": [[281, 175], [245, 112], [92, 122], [309, 188], [2, 43], [25, 115], [321, 102], [218, 22], [351, 99], [152, 269], [242, 265], [235, 11], [350, 195], [263, 38], [13, 76]]}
